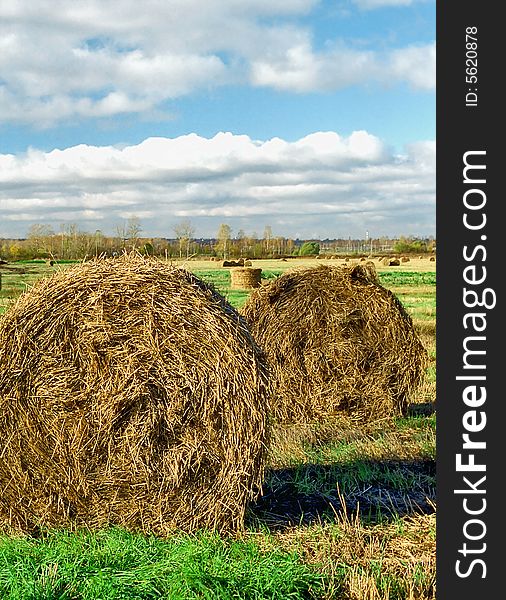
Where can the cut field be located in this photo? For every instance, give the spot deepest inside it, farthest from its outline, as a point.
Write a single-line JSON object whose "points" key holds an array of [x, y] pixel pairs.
{"points": [[347, 510]]}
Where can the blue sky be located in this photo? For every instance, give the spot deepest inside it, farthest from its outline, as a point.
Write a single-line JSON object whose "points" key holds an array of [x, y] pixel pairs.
{"points": [[314, 117]]}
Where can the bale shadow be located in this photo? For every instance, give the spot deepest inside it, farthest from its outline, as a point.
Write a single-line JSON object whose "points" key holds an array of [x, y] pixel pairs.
{"points": [[421, 409], [374, 490]]}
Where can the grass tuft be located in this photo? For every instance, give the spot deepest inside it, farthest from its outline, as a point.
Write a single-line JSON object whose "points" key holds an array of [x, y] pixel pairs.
{"points": [[114, 564]]}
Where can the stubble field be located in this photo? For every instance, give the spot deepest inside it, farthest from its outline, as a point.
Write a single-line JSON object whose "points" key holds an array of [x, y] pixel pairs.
{"points": [[347, 511]]}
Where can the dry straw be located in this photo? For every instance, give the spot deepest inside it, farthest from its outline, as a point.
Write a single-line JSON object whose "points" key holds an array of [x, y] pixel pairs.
{"points": [[245, 278], [132, 394], [337, 342]]}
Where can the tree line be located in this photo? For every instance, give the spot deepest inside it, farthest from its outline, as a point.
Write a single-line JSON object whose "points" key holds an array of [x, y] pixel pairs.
{"points": [[71, 243]]}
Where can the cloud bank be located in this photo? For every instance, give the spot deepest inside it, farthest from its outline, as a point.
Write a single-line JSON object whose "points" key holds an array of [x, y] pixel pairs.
{"points": [[322, 185]]}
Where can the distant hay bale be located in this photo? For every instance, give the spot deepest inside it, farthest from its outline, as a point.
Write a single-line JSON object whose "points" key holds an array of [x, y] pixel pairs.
{"points": [[247, 263], [366, 271], [405, 259], [393, 262], [336, 342], [432, 258], [245, 278], [233, 263], [131, 394]]}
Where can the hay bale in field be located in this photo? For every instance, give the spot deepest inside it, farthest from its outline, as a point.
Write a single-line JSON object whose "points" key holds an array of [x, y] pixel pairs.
{"points": [[336, 342], [132, 394], [233, 263], [404, 259], [366, 271], [245, 278], [247, 263], [393, 262], [432, 258]]}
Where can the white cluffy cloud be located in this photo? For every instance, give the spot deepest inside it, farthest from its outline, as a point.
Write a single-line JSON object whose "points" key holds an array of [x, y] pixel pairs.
{"points": [[302, 70], [325, 183], [64, 60]]}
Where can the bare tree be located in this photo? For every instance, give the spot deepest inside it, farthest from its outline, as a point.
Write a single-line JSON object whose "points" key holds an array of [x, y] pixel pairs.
{"points": [[268, 238], [241, 237], [128, 231], [184, 233], [40, 237], [133, 230], [224, 235]]}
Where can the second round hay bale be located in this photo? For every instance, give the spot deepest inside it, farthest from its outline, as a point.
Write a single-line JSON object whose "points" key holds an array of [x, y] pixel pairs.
{"points": [[390, 262], [131, 394], [336, 343], [245, 278], [366, 271]]}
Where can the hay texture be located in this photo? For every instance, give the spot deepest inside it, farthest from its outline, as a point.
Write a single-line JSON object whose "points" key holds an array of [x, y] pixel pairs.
{"points": [[246, 278], [366, 271], [131, 394], [337, 342]]}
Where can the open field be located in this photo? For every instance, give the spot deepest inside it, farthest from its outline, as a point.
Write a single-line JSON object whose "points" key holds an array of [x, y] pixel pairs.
{"points": [[347, 511]]}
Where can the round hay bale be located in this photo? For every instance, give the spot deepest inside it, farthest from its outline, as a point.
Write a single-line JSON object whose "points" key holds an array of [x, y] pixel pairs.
{"points": [[404, 259], [131, 394], [366, 271], [336, 342], [432, 258], [394, 262], [245, 278], [385, 261]]}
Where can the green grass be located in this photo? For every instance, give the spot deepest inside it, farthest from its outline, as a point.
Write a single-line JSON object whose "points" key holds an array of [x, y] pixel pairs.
{"points": [[220, 279], [413, 278], [114, 564]]}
